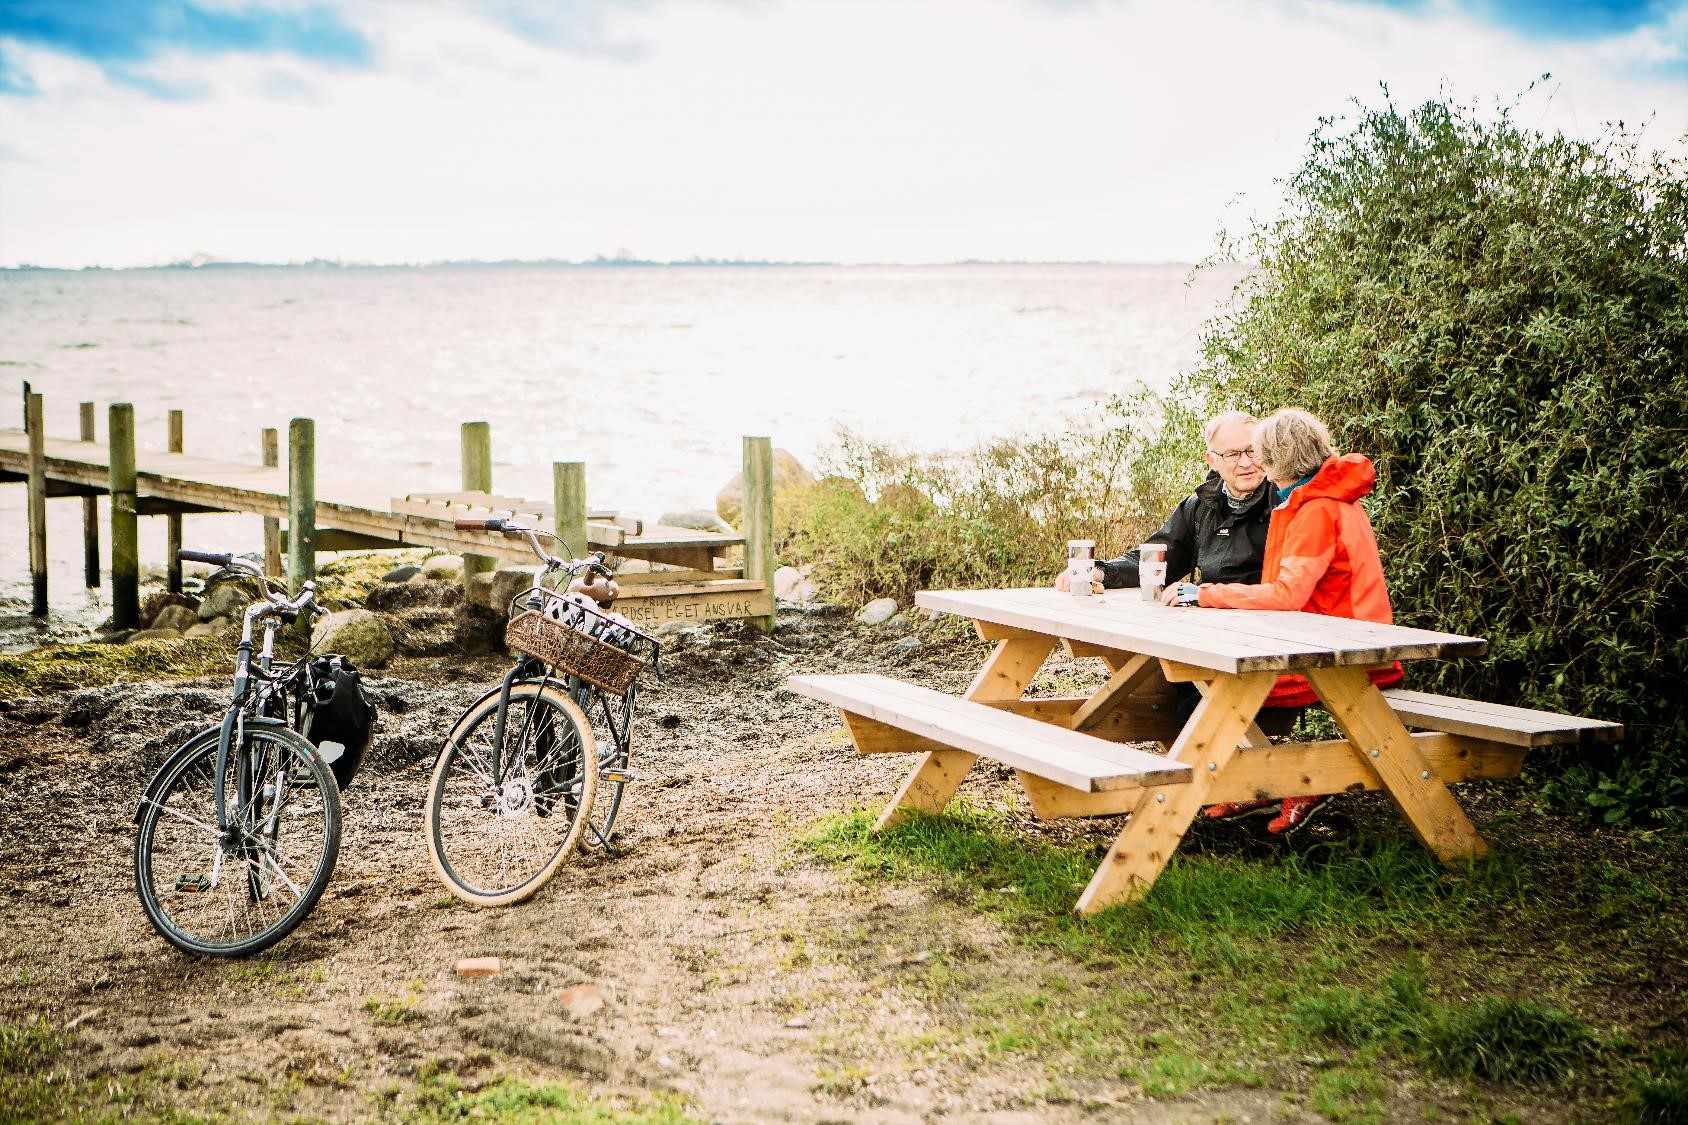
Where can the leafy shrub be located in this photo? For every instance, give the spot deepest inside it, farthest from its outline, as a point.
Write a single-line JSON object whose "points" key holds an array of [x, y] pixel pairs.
{"points": [[1499, 319], [889, 523]]}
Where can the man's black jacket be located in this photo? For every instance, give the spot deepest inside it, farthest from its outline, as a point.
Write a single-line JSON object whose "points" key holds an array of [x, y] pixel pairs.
{"points": [[1204, 537]]}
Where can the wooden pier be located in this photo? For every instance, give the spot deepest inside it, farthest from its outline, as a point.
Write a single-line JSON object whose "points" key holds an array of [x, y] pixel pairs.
{"points": [[705, 575]]}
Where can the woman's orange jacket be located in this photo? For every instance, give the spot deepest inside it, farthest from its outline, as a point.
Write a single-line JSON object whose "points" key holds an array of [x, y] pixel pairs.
{"points": [[1321, 557]]}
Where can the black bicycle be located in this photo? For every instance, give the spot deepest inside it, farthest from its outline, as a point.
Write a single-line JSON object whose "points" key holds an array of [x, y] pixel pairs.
{"points": [[515, 787], [238, 832]]}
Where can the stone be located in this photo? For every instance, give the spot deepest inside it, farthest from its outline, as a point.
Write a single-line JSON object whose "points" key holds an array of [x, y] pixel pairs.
{"points": [[877, 612], [477, 967], [509, 583], [228, 598], [154, 604], [359, 635], [443, 567], [401, 574], [908, 644], [478, 590], [696, 521], [786, 579], [788, 473], [202, 629], [176, 617], [581, 1000]]}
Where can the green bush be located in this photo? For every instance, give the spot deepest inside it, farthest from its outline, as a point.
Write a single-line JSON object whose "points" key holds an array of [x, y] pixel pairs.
{"points": [[1499, 319], [889, 522]]}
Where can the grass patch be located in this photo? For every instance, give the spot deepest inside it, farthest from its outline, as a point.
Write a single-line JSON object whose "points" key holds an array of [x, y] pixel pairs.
{"points": [[65, 667], [514, 1100], [1657, 1093], [1508, 1040]]}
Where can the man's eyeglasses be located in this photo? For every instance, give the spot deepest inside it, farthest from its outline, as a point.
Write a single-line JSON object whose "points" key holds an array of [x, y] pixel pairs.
{"points": [[1232, 456]]}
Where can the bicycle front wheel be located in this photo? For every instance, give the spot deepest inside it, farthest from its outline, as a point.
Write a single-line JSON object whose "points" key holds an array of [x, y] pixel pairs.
{"points": [[502, 818], [231, 895]]}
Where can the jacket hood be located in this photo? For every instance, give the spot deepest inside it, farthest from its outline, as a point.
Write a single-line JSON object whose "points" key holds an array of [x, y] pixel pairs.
{"points": [[1345, 478]]}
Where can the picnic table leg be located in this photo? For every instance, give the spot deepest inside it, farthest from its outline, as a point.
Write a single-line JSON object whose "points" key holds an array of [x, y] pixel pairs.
{"points": [[1163, 814], [1383, 746], [935, 777]]}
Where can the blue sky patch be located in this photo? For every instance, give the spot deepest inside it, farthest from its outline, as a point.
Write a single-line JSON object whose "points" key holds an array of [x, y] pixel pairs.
{"points": [[1557, 19]]}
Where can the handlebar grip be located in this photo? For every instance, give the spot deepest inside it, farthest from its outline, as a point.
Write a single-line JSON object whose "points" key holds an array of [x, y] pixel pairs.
{"points": [[224, 559], [480, 525]]}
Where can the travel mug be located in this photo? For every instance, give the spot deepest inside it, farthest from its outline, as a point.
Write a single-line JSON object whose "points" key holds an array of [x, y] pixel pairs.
{"points": [[1151, 570]]}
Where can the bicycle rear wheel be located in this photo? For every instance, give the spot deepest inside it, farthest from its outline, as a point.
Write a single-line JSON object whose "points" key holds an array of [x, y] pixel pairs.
{"points": [[233, 897], [612, 718], [495, 836]]}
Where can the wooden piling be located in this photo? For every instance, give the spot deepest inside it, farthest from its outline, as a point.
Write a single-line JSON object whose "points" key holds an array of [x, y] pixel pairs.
{"points": [[173, 521], [90, 514], [270, 440], [125, 547], [37, 502], [476, 455], [758, 519], [568, 497], [301, 502]]}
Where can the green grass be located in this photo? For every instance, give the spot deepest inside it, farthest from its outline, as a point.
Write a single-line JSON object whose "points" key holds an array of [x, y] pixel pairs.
{"points": [[516, 1101], [64, 667], [1241, 962]]}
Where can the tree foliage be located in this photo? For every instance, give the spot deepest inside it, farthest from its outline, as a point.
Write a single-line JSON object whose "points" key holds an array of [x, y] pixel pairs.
{"points": [[1499, 318]]}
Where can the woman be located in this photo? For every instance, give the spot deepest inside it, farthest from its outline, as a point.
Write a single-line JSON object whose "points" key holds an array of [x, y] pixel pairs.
{"points": [[1321, 557]]}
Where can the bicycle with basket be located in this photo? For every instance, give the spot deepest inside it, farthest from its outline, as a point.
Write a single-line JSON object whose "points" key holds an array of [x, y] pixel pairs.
{"points": [[238, 832], [516, 785]]}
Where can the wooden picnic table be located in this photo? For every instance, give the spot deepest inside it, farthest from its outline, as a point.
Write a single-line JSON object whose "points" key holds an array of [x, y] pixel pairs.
{"points": [[1071, 754]]}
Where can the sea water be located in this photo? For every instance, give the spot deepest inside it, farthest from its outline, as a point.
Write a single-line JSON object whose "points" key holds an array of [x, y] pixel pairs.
{"points": [[650, 375]]}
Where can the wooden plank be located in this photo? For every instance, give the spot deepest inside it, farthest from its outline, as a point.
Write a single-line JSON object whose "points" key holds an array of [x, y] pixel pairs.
{"points": [[1518, 726], [90, 511], [37, 501], [757, 520], [1383, 745], [1161, 817], [1141, 718], [474, 455], [125, 549], [673, 577], [873, 737], [301, 503], [173, 521], [1120, 686], [655, 606], [269, 442]]}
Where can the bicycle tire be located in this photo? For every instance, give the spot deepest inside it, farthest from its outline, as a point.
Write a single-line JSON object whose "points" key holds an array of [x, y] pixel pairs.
{"points": [[232, 901], [494, 842], [614, 754]]}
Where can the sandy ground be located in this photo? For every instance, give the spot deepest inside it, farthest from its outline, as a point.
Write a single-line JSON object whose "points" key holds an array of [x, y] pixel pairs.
{"points": [[737, 970]]}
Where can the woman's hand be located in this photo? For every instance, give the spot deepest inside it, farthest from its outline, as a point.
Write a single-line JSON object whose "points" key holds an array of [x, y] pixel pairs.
{"points": [[1182, 593]]}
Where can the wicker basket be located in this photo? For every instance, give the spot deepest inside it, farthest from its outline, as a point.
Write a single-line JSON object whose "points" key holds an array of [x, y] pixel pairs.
{"points": [[576, 653]]}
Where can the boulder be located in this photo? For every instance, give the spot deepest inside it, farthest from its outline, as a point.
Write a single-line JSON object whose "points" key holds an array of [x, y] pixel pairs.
{"points": [[227, 598], [792, 585], [696, 521], [479, 589], [154, 604], [908, 644], [508, 583], [401, 574], [443, 566], [205, 628], [361, 636], [877, 612], [788, 473], [176, 617]]}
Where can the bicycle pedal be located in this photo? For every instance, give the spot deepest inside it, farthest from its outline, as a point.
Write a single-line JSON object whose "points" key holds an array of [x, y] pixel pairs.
{"points": [[618, 776], [192, 884]]}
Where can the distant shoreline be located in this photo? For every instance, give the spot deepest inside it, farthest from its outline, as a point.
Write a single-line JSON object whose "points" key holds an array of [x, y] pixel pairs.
{"points": [[319, 264]]}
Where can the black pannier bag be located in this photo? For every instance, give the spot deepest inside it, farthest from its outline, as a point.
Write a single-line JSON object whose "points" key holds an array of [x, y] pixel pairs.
{"points": [[339, 715]]}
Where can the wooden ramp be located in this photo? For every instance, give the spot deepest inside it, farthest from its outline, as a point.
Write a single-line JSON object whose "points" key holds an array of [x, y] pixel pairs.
{"points": [[707, 582]]}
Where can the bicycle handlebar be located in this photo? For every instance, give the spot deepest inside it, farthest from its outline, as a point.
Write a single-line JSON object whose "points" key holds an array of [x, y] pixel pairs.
{"points": [[287, 607], [593, 562], [224, 560]]}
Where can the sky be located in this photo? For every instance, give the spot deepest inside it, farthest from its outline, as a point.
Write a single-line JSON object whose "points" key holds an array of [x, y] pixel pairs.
{"points": [[144, 132]]}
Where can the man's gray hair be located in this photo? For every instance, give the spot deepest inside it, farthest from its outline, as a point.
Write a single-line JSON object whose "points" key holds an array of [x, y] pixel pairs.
{"points": [[1224, 419], [1293, 442]]}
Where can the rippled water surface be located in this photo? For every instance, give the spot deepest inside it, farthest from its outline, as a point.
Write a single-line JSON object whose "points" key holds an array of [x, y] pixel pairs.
{"points": [[650, 375]]}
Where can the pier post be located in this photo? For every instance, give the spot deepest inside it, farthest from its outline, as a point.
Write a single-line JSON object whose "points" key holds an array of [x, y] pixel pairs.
{"points": [[301, 503], [568, 498], [125, 549], [271, 443], [758, 519], [173, 521], [90, 515], [476, 455], [37, 502]]}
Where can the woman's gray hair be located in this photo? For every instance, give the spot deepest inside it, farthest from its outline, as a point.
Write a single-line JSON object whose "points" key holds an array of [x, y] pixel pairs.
{"points": [[1293, 442]]}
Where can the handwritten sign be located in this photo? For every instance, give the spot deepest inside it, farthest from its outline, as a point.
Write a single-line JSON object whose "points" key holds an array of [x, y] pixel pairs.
{"points": [[650, 612]]}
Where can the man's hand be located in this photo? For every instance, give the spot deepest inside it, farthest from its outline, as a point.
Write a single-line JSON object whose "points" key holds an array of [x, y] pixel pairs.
{"points": [[1182, 593], [1096, 576]]}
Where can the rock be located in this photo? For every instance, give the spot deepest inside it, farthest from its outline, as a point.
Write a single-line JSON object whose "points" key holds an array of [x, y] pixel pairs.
{"points": [[227, 598], [153, 635], [908, 644], [581, 1000], [478, 589], [176, 617], [877, 612], [786, 580], [509, 583], [696, 521], [203, 629], [154, 604], [477, 967], [401, 574], [443, 566], [899, 624], [788, 473], [359, 635]]}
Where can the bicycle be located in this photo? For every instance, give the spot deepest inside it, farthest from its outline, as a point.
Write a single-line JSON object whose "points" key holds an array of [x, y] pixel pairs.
{"points": [[514, 787], [238, 832]]}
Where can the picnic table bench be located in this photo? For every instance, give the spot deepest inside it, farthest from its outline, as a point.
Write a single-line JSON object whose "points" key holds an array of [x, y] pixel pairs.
{"points": [[1071, 754]]}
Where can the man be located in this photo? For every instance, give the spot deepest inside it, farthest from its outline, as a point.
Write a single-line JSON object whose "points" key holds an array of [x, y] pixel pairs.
{"points": [[1218, 532]]}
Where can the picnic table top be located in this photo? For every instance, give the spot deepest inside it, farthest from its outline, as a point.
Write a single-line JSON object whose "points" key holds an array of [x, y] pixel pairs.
{"points": [[1226, 640]]}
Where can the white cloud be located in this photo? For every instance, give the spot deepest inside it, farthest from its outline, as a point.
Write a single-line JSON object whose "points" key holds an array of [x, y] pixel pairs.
{"points": [[928, 130]]}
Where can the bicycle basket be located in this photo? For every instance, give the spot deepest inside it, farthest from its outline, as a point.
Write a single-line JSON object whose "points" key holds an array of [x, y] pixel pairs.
{"points": [[580, 640]]}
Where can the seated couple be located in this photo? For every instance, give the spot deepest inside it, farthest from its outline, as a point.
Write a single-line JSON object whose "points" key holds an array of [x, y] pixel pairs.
{"points": [[1277, 524]]}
